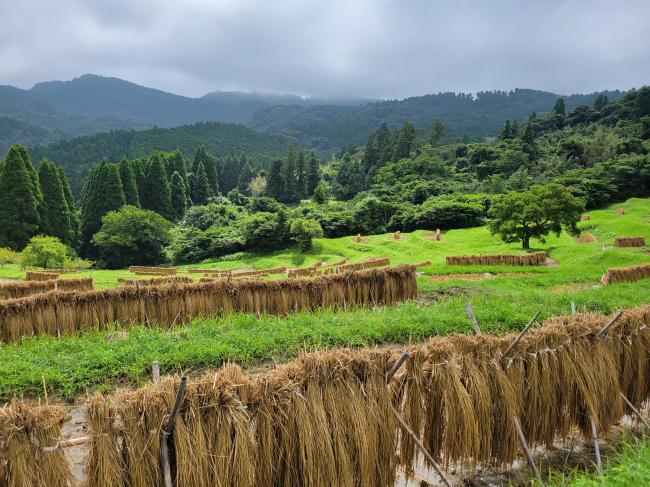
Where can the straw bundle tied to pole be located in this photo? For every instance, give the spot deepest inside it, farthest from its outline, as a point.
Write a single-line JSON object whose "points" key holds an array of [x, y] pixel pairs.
{"points": [[328, 418], [534, 258], [41, 276], [22, 289], [154, 281], [153, 270], [629, 242], [628, 274], [58, 313]]}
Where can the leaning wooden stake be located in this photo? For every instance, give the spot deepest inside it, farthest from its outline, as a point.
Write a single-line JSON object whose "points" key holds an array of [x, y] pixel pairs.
{"points": [[635, 410], [521, 334], [524, 446], [391, 373], [573, 308], [610, 323], [594, 437], [472, 319]]}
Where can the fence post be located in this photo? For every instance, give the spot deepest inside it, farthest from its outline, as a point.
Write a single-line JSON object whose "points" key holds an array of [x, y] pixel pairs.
{"points": [[472, 318]]}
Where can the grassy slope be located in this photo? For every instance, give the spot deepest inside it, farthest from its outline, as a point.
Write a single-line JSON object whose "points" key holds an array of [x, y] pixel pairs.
{"points": [[74, 365]]}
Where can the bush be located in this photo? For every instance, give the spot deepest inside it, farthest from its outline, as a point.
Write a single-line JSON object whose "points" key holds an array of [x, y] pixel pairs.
{"points": [[194, 245], [132, 236], [264, 231], [303, 230], [8, 256], [45, 252], [446, 213]]}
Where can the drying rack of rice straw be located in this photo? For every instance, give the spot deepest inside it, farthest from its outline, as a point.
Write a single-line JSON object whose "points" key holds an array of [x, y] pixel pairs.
{"points": [[471, 400], [144, 270]]}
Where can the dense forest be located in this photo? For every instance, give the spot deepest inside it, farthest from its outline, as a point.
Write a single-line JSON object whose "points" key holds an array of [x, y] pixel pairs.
{"points": [[77, 155], [165, 206]]}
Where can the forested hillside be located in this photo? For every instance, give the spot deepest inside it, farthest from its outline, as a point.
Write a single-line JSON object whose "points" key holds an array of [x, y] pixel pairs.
{"points": [[329, 128], [77, 155]]}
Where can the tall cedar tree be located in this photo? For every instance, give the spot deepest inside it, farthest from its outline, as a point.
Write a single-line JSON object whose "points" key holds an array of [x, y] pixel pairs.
{"points": [[129, 184], [200, 186], [178, 195], [245, 177], [313, 173], [301, 175], [229, 175], [289, 171], [157, 196], [32, 173], [55, 213], [201, 156], [404, 139], [74, 216], [437, 129], [102, 193], [558, 108], [176, 163], [138, 170], [384, 144], [275, 183], [19, 201]]}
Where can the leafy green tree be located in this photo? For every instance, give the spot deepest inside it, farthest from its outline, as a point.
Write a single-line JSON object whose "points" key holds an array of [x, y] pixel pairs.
{"points": [[559, 108], [600, 102], [437, 128], [264, 231], [102, 193], [55, 213], [642, 102], [47, 252], [321, 193], [535, 213], [157, 193], [19, 200], [304, 230], [178, 196], [129, 184], [200, 189], [132, 236]]}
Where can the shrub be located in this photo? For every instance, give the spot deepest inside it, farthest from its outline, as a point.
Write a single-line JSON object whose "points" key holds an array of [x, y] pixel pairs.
{"points": [[303, 230], [45, 252], [8, 256]]}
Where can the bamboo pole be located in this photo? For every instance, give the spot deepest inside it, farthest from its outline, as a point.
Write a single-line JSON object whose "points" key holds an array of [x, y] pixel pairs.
{"points": [[400, 361], [594, 437], [516, 341], [472, 318], [524, 446]]}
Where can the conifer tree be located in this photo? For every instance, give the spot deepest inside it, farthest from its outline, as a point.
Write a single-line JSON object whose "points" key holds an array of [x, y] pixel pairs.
{"points": [[179, 198], [201, 156], [102, 193], [301, 176], [289, 173], [176, 163], [74, 216], [129, 184], [403, 142], [19, 200], [384, 144], [55, 213], [558, 108], [245, 177], [157, 196], [200, 186], [436, 132], [313, 173], [275, 183], [229, 175], [138, 169]]}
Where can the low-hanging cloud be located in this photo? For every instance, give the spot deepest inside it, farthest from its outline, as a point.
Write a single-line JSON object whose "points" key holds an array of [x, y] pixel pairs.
{"points": [[371, 48]]}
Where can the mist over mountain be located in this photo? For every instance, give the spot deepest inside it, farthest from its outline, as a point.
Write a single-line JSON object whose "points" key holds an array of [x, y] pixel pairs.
{"points": [[90, 104]]}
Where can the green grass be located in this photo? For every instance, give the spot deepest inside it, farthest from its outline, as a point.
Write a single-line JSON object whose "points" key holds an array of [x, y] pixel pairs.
{"points": [[628, 467], [102, 360]]}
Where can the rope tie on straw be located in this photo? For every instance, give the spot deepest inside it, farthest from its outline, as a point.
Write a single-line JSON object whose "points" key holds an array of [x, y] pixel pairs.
{"points": [[48, 449]]}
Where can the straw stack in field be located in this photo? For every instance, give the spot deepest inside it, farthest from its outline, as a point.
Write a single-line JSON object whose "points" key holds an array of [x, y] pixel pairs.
{"points": [[585, 218], [629, 273], [534, 258], [57, 313], [154, 281], [629, 242], [458, 393], [144, 270], [20, 289], [41, 276]]}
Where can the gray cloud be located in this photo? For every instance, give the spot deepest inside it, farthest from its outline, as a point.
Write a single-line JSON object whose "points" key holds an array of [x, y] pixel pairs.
{"points": [[374, 48]]}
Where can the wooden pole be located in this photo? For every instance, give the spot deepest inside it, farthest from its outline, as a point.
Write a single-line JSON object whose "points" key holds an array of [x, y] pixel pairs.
{"points": [[391, 373], [594, 437], [573, 308], [610, 323], [155, 372], [524, 446], [400, 361], [472, 318], [635, 410], [421, 447], [521, 334]]}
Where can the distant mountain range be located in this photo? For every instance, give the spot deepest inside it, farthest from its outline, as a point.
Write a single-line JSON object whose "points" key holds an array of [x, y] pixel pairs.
{"points": [[90, 104]]}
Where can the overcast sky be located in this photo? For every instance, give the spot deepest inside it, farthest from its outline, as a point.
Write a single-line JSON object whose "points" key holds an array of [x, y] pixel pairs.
{"points": [[380, 48]]}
